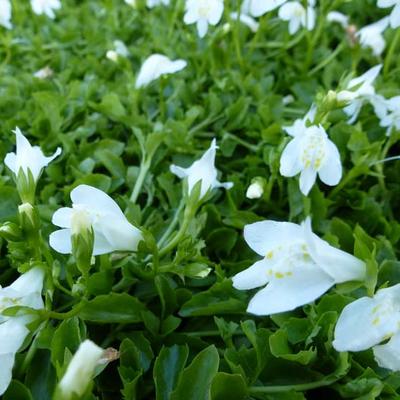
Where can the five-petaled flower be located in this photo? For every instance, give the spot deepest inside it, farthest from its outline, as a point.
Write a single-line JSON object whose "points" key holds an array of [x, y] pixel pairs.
{"points": [[395, 14], [203, 13], [202, 170], [28, 158], [25, 291], [309, 153], [112, 230], [155, 66], [46, 7], [298, 266], [367, 322], [297, 15]]}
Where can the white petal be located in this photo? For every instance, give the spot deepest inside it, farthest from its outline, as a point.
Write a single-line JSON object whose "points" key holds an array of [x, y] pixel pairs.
{"points": [[61, 241], [263, 237], [388, 355], [7, 363], [11, 162], [179, 171], [395, 17], [311, 17], [290, 164], [260, 7], [331, 171], [29, 282], [341, 266], [252, 277], [306, 284], [307, 180], [216, 12], [202, 27], [12, 336], [335, 16], [386, 3], [246, 20], [367, 77], [95, 200], [62, 217]]}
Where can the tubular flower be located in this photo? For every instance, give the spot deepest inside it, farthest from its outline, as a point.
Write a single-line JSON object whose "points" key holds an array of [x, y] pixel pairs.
{"points": [[367, 322], [112, 231], [298, 266], [155, 66], [203, 13], [46, 7], [28, 158], [202, 170], [25, 291], [309, 153]]}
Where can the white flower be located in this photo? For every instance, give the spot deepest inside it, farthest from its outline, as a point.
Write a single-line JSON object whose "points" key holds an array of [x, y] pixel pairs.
{"points": [[119, 50], [27, 157], [153, 3], [309, 153], [359, 91], [256, 8], [112, 231], [202, 170], [46, 7], [203, 12], [25, 291], [367, 322], [44, 73], [395, 15], [391, 118], [298, 16], [371, 36], [288, 99], [155, 66], [335, 16], [298, 266], [80, 371], [5, 14], [245, 19], [255, 190]]}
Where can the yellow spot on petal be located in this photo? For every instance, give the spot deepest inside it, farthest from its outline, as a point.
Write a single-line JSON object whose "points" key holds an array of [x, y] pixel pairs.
{"points": [[376, 321], [269, 255], [289, 273], [279, 275]]}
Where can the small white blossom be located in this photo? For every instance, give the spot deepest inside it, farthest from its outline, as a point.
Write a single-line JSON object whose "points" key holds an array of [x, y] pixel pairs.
{"points": [[336, 16], [288, 99], [371, 36], [155, 66], [46, 7], [202, 170], [309, 153], [27, 157], [359, 91], [297, 16], [112, 230], [120, 50], [297, 266], [5, 14], [367, 322], [154, 3], [391, 118], [25, 291], [80, 371], [395, 14], [257, 8], [203, 13], [255, 190], [44, 73]]}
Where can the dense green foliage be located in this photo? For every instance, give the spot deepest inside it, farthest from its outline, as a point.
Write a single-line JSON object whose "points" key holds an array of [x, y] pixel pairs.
{"points": [[183, 334]]}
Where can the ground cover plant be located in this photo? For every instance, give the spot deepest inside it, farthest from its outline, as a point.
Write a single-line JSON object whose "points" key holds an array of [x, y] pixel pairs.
{"points": [[199, 199]]}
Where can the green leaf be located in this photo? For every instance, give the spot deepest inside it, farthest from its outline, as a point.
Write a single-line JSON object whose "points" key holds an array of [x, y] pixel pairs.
{"points": [[228, 386], [168, 368], [17, 391], [113, 308], [202, 370]]}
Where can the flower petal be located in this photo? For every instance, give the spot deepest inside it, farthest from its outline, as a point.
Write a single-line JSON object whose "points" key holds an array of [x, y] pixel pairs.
{"points": [[29, 282], [331, 171], [61, 241], [263, 237], [12, 336], [395, 17], [306, 284], [307, 180], [252, 277], [62, 217], [388, 355], [7, 363], [290, 164]]}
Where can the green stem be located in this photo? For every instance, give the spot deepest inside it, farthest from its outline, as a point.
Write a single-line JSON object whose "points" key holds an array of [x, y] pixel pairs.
{"points": [[172, 225], [389, 56], [47, 314], [236, 38], [144, 168], [187, 217]]}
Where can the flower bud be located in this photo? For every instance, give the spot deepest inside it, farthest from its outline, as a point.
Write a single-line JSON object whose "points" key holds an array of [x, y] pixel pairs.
{"points": [[256, 189], [112, 55], [80, 372], [11, 232], [29, 218]]}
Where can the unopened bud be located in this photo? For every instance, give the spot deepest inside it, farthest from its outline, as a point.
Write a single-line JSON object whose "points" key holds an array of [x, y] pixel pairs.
{"points": [[28, 218], [10, 232], [256, 189], [112, 55]]}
